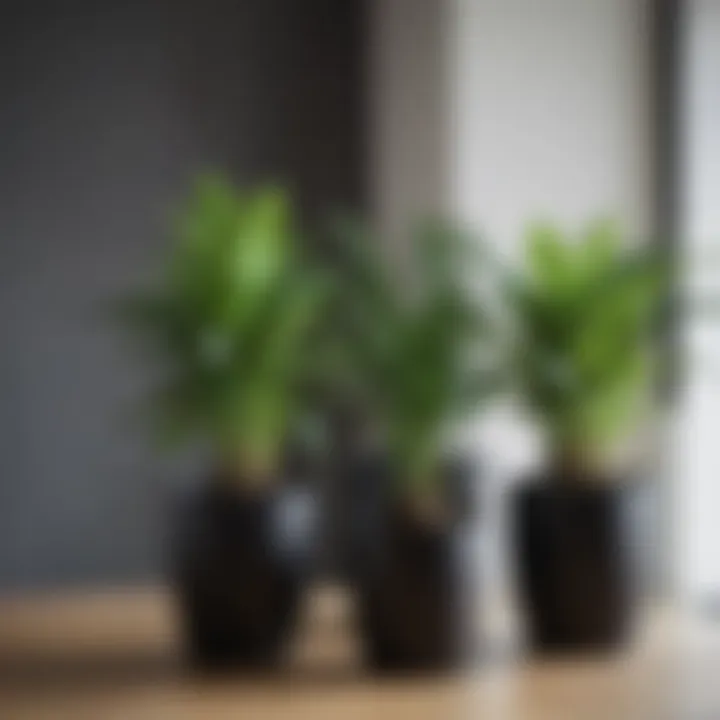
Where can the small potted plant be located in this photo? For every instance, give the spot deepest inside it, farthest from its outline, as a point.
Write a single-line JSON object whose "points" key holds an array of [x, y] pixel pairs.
{"points": [[414, 351], [229, 327], [584, 310]]}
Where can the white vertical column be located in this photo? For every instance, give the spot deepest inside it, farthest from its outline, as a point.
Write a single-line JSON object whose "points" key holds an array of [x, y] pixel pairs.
{"points": [[697, 468]]}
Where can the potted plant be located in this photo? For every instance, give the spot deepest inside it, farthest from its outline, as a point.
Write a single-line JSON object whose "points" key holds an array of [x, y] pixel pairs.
{"points": [[229, 327], [584, 311], [414, 367]]}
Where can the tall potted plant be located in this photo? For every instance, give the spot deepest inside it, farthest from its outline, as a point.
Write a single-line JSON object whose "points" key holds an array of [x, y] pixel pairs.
{"points": [[229, 327], [583, 358], [414, 341]]}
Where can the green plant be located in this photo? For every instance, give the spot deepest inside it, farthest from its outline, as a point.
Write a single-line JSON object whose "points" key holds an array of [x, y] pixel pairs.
{"points": [[412, 344], [229, 327], [583, 360]]}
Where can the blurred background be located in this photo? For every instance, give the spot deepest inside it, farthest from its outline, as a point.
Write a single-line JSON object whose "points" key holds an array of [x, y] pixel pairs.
{"points": [[491, 111]]}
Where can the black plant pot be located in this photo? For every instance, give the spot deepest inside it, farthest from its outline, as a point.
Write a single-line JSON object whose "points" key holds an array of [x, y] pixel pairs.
{"points": [[572, 548], [240, 558], [413, 588]]}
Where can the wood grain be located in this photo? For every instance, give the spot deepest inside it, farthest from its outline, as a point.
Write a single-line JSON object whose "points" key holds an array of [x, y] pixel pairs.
{"points": [[115, 655]]}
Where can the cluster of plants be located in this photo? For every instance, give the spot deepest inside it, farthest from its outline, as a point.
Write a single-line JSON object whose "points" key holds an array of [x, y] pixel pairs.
{"points": [[247, 325]]}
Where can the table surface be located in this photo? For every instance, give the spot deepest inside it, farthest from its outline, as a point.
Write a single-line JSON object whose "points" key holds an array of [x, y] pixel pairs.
{"points": [[114, 654]]}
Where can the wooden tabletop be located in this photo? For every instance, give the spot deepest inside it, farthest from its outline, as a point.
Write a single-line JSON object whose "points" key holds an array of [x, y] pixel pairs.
{"points": [[115, 654]]}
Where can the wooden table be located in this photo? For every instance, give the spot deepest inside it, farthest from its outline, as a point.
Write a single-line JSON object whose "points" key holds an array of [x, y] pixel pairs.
{"points": [[114, 655]]}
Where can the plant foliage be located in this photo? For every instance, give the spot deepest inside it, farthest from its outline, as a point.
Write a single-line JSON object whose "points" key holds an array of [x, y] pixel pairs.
{"points": [[412, 343], [584, 309], [229, 325]]}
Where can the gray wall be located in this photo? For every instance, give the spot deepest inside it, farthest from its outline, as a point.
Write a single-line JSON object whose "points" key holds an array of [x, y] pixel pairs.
{"points": [[410, 124], [108, 108]]}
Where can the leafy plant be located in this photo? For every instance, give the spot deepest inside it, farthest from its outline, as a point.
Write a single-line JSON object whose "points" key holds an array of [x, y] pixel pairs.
{"points": [[412, 344], [583, 356], [229, 326]]}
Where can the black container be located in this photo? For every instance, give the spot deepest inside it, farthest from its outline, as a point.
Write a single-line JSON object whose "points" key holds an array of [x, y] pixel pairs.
{"points": [[413, 584], [573, 558], [240, 557]]}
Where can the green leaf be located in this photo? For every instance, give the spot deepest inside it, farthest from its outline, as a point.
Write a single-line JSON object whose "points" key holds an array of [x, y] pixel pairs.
{"points": [[229, 323], [584, 315], [549, 258], [413, 340]]}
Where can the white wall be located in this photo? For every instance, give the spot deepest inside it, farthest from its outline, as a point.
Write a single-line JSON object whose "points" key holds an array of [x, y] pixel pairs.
{"points": [[698, 440], [506, 110], [551, 112]]}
